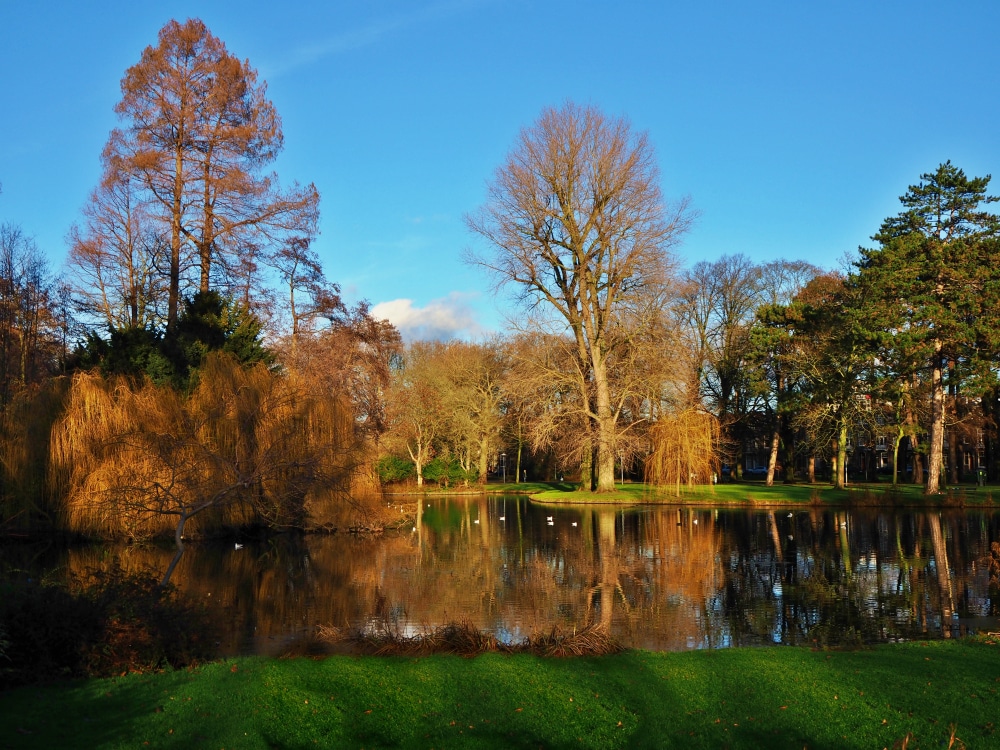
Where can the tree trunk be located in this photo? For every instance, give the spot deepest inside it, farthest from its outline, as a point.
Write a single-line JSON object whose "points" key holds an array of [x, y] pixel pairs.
{"points": [[954, 465], [840, 481], [936, 450], [484, 459], [418, 462], [174, 293], [207, 230], [772, 458], [788, 442], [895, 455], [605, 427]]}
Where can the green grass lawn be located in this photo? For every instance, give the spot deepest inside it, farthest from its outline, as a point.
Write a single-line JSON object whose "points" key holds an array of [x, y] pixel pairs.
{"points": [[780, 697], [757, 493]]}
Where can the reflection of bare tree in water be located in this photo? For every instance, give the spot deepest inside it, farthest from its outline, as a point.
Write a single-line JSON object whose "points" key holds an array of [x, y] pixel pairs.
{"points": [[608, 562], [651, 576], [831, 577], [942, 570], [657, 578]]}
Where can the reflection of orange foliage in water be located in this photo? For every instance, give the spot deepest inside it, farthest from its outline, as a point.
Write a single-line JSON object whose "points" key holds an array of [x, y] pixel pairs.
{"points": [[590, 576], [683, 567], [653, 579], [270, 593]]}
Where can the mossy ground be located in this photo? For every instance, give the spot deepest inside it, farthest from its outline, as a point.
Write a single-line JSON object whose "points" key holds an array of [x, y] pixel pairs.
{"points": [[781, 697]]}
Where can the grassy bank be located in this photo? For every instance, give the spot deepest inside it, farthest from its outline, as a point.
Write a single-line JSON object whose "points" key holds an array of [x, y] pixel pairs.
{"points": [[757, 493], [922, 694]]}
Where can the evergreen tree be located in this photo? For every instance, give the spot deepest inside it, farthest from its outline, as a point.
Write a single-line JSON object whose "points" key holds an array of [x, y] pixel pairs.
{"points": [[936, 274]]}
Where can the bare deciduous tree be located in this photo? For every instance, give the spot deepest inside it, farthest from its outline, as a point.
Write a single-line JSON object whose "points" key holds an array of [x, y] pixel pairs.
{"points": [[28, 340], [116, 258], [576, 220]]}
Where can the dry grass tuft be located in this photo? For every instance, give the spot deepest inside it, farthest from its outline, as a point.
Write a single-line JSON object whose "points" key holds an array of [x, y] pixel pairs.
{"points": [[464, 639]]}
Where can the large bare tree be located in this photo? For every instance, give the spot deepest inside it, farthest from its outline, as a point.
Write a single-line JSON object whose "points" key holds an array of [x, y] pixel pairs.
{"points": [[576, 221]]}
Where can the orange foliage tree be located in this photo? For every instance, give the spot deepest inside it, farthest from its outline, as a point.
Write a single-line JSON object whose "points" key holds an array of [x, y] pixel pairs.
{"points": [[198, 130], [684, 449]]}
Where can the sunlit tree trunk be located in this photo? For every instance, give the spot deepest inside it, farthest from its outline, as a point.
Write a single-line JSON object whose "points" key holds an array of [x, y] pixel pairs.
{"points": [[936, 450], [840, 471], [772, 456]]}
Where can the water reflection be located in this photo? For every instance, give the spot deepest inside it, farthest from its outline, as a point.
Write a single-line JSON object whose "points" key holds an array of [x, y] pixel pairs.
{"points": [[657, 578]]}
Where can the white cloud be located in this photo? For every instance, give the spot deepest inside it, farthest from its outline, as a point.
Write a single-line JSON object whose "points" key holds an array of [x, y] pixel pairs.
{"points": [[451, 317]]}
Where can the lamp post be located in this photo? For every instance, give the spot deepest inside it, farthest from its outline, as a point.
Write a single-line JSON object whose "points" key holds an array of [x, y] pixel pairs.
{"points": [[503, 466]]}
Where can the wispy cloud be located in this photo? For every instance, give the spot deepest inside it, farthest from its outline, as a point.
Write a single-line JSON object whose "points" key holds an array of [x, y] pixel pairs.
{"points": [[440, 320], [371, 33]]}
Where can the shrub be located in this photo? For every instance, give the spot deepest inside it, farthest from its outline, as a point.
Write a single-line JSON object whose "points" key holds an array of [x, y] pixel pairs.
{"points": [[448, 471], [395, 469]]}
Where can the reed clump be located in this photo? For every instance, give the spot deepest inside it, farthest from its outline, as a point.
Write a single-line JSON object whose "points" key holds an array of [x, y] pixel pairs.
{"points": [[464, 639]]}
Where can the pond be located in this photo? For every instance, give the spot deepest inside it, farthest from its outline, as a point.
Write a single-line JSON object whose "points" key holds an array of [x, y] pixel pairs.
{"points": [[660, 578]]}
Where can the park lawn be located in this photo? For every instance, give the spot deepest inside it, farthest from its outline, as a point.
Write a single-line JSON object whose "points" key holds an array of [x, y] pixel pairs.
{"points": [[776, 697], [757, 493]]}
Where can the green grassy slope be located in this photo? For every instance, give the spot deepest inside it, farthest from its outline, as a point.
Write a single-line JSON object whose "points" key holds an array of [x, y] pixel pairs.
{"points": [[736, 698]]}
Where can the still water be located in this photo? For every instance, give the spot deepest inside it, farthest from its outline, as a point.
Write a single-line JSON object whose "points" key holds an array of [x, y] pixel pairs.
{"points": [[658, 577]]}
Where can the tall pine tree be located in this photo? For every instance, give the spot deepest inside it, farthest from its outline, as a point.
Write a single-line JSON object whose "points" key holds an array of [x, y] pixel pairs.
{"points": [[937, 269]]}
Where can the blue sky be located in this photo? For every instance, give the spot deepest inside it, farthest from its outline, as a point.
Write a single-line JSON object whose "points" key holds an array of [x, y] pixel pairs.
{"points": [[792, 126]]}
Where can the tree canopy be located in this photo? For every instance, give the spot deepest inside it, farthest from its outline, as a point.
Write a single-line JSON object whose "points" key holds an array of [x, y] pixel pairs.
{"points": [[937, 272], [197, 133], [576, 220]]}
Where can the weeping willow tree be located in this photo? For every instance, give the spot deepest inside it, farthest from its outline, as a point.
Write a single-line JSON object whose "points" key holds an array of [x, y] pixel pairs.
{"points": [[684, 450], [246, 446]]}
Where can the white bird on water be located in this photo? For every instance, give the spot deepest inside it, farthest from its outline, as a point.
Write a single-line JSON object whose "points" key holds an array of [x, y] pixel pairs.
{"points": [[503, 518], [548, 518], [476, 521], [574, 523], [238, 546]]}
